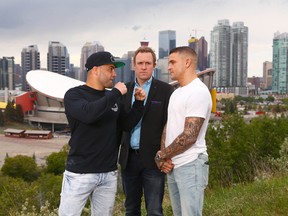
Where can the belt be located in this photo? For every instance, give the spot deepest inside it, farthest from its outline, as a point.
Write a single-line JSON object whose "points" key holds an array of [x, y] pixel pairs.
{"points": [[135, 151]]}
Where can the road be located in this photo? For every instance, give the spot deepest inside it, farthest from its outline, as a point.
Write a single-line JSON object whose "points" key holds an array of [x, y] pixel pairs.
{"points": [[23, 146]]}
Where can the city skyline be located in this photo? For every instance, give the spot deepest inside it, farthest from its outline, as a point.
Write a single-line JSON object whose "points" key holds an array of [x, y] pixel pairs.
{"points": [[120, 25]]}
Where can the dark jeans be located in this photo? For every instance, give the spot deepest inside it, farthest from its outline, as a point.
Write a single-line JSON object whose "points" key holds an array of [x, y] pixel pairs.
{"points": [[135, 180]]}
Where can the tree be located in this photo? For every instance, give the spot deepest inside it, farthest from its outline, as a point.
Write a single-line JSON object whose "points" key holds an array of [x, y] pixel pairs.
{"points": [[1, 118], [56, 161], [270, 99], [9, 111], [230, 106], [20, 166], [238, 151], [270, 133], [229, 151], [13, 114], [18, 114]]}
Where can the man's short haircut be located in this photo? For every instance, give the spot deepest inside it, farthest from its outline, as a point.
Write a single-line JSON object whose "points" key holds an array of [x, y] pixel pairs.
{"points": [[144, 49], [186, 50]]}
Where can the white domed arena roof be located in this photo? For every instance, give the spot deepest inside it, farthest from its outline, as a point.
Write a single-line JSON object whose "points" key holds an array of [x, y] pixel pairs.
{"points": [[51, 84]]}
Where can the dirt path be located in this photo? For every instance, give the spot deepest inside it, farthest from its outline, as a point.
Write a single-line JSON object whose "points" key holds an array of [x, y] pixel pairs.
{"points": [[21, 146]]}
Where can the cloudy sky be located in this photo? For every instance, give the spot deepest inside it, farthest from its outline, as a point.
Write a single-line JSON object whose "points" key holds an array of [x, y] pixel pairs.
{"points": [[119, 25]]}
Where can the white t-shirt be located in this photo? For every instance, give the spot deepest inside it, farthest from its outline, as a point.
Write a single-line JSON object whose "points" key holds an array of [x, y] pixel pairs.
{"points": [[192, 100]]}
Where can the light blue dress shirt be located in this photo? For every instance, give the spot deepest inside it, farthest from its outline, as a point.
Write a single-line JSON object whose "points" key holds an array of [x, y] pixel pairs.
{"points": [[135, 134]]}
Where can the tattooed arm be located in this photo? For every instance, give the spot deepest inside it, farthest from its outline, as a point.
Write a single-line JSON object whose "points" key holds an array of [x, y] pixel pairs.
{"points": [[163, 138], [185, 140], [166, 164]]}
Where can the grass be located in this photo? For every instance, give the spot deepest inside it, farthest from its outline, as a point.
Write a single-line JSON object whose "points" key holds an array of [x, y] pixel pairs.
{"points": [[16, 125], [261, 198]]}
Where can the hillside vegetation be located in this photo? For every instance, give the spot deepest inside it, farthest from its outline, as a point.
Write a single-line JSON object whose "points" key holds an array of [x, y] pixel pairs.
{"points": [[266, 197], [248, 173]]}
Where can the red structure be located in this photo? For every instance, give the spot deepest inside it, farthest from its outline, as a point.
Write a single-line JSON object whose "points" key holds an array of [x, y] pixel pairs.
{"points": [[27, 101]]}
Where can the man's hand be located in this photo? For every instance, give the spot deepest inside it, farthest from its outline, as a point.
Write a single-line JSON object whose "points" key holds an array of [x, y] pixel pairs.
{"points": [[165, 165], [139, 94], [121, 87]]}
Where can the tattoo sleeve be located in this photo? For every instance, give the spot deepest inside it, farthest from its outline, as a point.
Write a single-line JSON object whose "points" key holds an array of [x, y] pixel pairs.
{"points": [[163, 138], [185, 140]]}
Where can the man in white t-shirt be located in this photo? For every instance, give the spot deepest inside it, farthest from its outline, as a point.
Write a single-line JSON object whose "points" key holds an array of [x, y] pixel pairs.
{"points": [[183, 155]]}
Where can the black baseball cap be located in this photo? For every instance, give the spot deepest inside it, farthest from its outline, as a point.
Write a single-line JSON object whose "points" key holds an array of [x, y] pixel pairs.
{"points": [[102, 58]]}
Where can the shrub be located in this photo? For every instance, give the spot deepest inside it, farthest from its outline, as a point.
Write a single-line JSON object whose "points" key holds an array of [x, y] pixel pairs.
{"points": [[13, 193], [56, 161], [1, 118], [48, 190], [20, 166], [238, 151], [18, 114], [9, 111], [281, 163]]}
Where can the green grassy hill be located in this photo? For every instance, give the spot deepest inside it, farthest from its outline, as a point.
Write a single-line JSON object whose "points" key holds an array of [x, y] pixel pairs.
{"points": [[260, 198]]}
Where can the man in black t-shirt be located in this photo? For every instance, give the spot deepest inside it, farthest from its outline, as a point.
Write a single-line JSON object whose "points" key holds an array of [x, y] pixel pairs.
{"points": [[96, 119]]}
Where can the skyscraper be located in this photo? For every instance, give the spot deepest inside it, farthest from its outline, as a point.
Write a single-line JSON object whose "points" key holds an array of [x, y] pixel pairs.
{"points": [[30, 60], [229, 56], [220, 53], [88, 49], [193, 43], [200, 47], [125, 73], [280, 63], [57, 58], [7, 73], [167, 41], [18, 76], [267, 75], [239, 55], [161, 70]]}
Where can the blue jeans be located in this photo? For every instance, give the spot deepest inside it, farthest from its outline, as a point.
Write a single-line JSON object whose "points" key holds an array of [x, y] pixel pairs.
{"points": [[100, 188], [136, 179], [186, 186]]}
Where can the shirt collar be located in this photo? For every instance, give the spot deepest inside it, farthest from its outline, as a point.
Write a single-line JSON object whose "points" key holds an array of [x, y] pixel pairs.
{"points": [[148, 82]]}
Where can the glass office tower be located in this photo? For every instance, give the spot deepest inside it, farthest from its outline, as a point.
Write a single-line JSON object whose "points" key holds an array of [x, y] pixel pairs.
{"points": [[167, 41], [239, 55], [280, 63]]}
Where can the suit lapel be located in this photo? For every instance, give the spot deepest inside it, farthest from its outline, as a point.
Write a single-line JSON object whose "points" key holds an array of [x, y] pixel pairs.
{"points": [[130, 88], [152, 91]]}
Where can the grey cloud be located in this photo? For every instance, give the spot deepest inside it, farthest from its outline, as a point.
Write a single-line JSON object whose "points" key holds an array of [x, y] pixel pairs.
{"points": [[9, 22], [136, 27], [10, 16]]}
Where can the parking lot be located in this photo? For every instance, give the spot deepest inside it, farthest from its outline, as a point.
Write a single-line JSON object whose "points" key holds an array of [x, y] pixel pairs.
{"points": [[41, 148]]}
